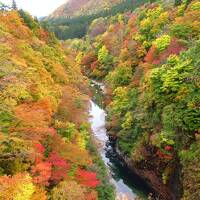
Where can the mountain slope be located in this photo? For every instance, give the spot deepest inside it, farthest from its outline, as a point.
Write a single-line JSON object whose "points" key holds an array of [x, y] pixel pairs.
{"points": [[43, 117], [76, 27], [74, 8], [149, 61]]}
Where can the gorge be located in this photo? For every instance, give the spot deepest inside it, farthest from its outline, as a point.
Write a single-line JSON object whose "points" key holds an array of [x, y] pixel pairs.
{"points": [[102, 102], [127, 185]]}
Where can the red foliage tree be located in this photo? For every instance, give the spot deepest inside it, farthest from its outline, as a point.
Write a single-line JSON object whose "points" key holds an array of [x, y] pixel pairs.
{"points": [[175, 47], [40, 148], [41, 173], [132, 21], [164, 156], [151, 55], [94, 65], [60, 167], [51, 169], [98, 28], [168, 148], [87, 178], [88, 59]]}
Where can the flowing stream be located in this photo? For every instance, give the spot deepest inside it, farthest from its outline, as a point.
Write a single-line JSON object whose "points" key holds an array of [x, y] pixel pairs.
{"points": [[127, 186]]}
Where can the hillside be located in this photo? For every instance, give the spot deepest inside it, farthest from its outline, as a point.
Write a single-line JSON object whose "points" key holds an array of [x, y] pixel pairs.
{"points": [[44, 130], [74, 8], [131, 79], [149, 61], [77, 25]]}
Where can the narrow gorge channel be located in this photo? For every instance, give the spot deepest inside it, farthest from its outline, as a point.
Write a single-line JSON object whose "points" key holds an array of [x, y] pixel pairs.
{"points": [[127, 186]]}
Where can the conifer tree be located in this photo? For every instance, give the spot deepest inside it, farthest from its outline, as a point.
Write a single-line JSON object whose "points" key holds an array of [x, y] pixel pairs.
{"points": [[187, 3], [178, 2], [14, 5]]}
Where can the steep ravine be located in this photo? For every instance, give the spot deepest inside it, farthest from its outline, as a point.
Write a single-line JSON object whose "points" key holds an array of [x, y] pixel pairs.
{"points": [[130, 179], [128, 186], [162, 192]]}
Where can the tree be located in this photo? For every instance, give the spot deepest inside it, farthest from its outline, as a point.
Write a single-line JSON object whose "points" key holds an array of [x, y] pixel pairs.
{"points": [[68, 190], [105, 59], [121, 76], [28, 20], [162, 42], [18, 187], [187, 3], [103, 55], [87, 178], [4, 7], [41, 173], [14, 5], [60, 167], [178, 2]]}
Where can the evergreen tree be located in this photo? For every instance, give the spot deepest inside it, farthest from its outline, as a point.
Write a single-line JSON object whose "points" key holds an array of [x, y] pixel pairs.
{"points": [[14, 5], [4, 7], [178, 2], [187, 3]]}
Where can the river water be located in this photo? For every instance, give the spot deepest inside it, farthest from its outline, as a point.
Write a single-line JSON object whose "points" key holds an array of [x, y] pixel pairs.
{"points": [[127, 186]]}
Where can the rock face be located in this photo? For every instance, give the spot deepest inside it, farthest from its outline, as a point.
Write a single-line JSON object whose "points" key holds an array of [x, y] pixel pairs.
{"points": [[74, 8], [149, 175]]}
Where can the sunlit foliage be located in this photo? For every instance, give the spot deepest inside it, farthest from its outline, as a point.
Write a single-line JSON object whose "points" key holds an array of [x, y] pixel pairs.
{"points": [[18, 187], [153, 89], [43, 114]]}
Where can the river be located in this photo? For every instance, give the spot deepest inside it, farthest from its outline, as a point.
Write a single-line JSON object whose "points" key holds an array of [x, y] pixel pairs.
{"points": [[127, 186]]}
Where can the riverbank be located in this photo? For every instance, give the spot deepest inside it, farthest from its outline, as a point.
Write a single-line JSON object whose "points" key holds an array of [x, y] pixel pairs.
{"points": [[146, 177], [160, 191], [127, 184]]}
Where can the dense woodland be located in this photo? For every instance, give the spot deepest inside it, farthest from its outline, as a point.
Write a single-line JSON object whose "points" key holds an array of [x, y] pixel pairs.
{"points": [[45, 146], [76, 27], [149, 60], [76, 8]]}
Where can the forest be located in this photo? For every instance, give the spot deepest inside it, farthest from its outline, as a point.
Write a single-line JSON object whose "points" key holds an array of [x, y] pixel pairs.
{"points": [[147, 55], [76, 27], [149, 61], [45, 148]]}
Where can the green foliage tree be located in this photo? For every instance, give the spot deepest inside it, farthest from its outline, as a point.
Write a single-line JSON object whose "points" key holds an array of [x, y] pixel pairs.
{"points": [[105, 59], [103, 55], [121, 76], [181, 31], [187, 3], [177, 2], [162, 43], [29, 21]]}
